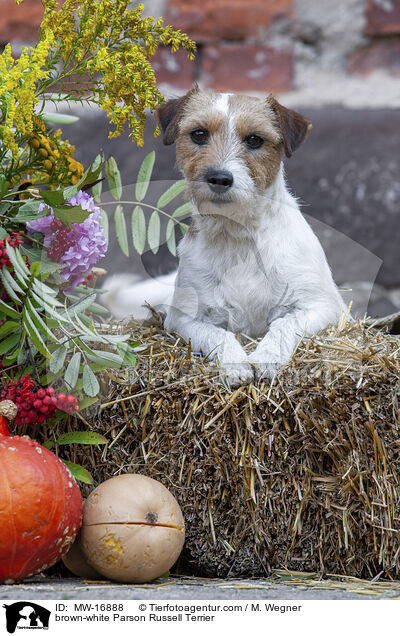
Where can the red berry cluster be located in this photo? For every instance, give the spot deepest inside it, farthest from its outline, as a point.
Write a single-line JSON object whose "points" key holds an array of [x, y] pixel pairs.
{"points": [[4, 260], [36, 407], [88, 279], [62, 240]]}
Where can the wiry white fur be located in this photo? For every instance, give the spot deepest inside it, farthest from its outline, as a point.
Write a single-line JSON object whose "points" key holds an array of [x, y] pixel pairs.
{"points": [[222, 103], [268, 279], [252, 265]]}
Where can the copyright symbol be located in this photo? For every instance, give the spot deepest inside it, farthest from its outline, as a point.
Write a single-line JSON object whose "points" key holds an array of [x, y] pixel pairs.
{"points": [[142, 607]]}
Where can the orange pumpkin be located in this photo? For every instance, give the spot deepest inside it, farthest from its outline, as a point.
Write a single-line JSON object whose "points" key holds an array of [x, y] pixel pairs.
{"points": [[40, 508]]}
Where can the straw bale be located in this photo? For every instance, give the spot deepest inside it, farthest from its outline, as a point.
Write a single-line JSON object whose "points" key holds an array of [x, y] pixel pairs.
{"points": [[303, 473]]}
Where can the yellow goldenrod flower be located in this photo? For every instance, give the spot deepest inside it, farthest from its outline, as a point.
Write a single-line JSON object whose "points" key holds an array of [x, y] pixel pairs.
{"points": [[98, 50]]}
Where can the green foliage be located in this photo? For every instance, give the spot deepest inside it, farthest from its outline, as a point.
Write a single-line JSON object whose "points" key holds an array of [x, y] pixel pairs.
{"points": [[93, 51], [97, 52], [107, 47], [114, 178], [120, 228], [145, 224], [81, 437], [79, 472], [139, 229], [144, 176], [44, 328], [77, 437]]}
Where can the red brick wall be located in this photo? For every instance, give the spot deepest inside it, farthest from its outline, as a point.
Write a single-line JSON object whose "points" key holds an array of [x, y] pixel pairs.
{"points": [[231, 35], [215, 20], [237, 49], [20, 22], [235, 52], [383, 31], [383, 17], [244, 67]]}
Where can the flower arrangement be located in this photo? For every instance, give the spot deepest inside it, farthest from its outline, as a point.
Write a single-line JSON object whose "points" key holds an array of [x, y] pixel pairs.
{"points": [[78, 248], [53, 231]]}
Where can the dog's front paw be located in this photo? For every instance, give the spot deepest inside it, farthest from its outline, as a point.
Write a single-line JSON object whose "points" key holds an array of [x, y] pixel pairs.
{"points": [[263, 369], [237, 373], [234, 363], [267, 371]]}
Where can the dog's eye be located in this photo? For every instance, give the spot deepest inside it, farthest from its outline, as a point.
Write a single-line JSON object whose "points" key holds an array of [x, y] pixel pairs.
{"points": [[254, 141], [199, 137]]}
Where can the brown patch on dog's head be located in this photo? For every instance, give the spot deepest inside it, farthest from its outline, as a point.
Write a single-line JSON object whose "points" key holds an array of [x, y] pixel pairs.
{"points": [[200, 114], [252, 118], [294, 127], [169, 114]]}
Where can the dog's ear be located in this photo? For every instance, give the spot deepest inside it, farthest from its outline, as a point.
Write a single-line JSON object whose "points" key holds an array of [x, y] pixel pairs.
{"points": [[294, 127], [168, 116]]}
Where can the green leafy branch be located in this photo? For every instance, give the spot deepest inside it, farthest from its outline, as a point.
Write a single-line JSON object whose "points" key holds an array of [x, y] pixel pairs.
{"points": [[143, 230], [62, 334], [77, 437]]}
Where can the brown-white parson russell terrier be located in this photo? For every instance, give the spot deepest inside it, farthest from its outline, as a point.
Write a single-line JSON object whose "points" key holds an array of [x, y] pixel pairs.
{"points": [[250, 263]]}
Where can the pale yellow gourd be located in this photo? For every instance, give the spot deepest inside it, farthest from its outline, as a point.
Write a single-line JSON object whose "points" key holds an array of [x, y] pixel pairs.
{"points": [[133, 529]]}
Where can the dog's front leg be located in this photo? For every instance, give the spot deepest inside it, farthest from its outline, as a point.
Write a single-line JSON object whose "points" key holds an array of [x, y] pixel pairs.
{"points": [[278, 345], [216, 342]]}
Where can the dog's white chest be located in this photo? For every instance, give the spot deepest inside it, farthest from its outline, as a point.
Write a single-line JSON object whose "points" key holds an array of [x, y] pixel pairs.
{"points": [[242, 296]]}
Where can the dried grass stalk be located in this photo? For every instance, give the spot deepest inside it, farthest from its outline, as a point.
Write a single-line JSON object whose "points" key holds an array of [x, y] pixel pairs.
{"points": [[302, 474]]}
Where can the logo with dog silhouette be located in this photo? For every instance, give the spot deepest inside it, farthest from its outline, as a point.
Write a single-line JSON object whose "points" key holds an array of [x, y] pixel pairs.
{"points": [[26, 615]]}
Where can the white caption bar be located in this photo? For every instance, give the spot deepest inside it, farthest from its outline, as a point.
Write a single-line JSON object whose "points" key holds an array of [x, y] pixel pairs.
{"points": [[91, 617]]}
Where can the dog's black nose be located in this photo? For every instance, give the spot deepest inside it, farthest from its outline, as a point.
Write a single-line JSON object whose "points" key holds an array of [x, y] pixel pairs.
{"points": [[219, 180]]}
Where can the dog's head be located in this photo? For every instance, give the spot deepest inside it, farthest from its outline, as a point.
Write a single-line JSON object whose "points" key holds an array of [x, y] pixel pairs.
{"points": [[229, 147]]}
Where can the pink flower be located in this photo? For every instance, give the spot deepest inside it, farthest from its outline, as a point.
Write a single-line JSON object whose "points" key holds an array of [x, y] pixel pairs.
{"points": [[78, 248]]}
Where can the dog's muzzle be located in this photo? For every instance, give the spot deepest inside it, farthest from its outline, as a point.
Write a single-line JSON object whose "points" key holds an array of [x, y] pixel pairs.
{"points": [[219, 181]]}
